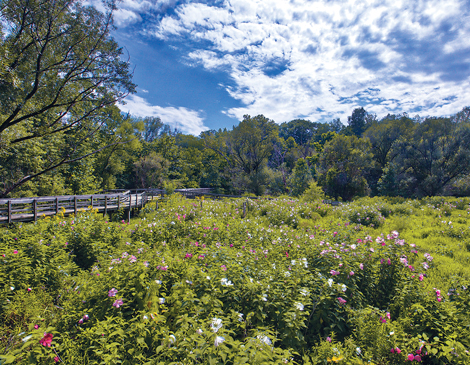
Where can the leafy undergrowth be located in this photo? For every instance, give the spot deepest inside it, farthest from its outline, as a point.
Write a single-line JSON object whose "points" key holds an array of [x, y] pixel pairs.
{"points": [[373, 282]]}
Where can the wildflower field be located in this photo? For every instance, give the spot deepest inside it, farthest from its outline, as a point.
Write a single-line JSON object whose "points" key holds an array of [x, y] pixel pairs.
{"points": [[375, 281]]}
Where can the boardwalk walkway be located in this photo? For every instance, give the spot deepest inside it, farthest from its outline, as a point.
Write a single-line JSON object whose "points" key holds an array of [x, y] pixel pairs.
{"points": [[30, 209]]}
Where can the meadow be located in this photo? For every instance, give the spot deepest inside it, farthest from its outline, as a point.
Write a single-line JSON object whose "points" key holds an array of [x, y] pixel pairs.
{"points": [[375, 281]]}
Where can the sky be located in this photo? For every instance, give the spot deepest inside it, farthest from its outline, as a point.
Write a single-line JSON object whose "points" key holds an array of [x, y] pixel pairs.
{"points": [[203, 65]]}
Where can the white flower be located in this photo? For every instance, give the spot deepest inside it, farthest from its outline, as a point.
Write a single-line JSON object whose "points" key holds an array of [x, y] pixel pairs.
{"points": [[274, 266], [27, 338], [353, 247], [330, 282], [358, 350], [216, 324], [208, 277], [304, 292], [161, 300], [225, 282], [240, 317], [145, 317], [218, 340], [265, 298], [292, 262], [299, 306], [172, 338], [199, 331], [392, 333], [159, 282], [304, 260], [343, 287], [264, 339], [286, 274]]}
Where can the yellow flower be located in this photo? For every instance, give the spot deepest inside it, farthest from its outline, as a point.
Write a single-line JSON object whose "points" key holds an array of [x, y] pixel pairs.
{"points": [[335, 359]]}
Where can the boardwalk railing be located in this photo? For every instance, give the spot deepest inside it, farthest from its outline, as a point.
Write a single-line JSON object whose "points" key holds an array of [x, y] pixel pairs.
{"points": [[30, 209]]}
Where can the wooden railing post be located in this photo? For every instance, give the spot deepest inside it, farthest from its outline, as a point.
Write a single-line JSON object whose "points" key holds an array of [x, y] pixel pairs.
{"points": [[56, 205], [105, 205], [9, 211], [130, 207], [92, 201], [35, 210], [75, 210], [119, 202]]}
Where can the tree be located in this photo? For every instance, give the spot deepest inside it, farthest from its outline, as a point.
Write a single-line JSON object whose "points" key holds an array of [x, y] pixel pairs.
{"points": [[61, 70], [246, 149], [151, 170], [342, 165], [436, 154], [383, 136], [300, 178], [357, 121]]}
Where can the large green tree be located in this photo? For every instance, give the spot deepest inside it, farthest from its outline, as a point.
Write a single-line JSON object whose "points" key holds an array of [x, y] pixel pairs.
{"points": [[436, 154], [342, 166], [59, 69]]}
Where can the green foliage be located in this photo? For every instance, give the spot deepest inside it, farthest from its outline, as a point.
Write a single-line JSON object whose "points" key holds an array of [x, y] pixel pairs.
{"points": [[290, 282], [313, 193], [300, 178], [342, 164]]}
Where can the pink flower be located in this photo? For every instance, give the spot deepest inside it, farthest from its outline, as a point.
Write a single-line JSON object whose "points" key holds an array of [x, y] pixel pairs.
{"points": [[421, 277], [188, 256], [392, 351], [328, 339], [417, 358], [341, 300], [112, 292], [411, 357], [334, 272], [361, 266], [351, 273], [15, 251], [29, 289], [36, 326], [132, 259], [397, 350], [118, 303], [388, 315], [46, 340], [56, 359]]}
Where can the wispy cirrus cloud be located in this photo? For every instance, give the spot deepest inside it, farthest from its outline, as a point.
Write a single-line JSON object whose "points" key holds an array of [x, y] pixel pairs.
{"points": [[186, 120], [320, 59]]}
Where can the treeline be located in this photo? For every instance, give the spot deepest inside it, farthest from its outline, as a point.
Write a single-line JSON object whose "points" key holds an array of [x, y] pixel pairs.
{"points": [[394, 156]]}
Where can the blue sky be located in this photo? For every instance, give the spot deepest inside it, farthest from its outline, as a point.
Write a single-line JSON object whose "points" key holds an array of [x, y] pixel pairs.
{"points": [[204, 64]]}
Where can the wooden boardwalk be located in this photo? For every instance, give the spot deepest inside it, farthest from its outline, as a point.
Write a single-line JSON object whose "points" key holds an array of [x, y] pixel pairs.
{"points": [[30, 209]]}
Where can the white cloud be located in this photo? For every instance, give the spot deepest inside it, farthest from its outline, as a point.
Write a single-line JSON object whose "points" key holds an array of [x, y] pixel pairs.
{"points": [[332, 53], [186, 120]]}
